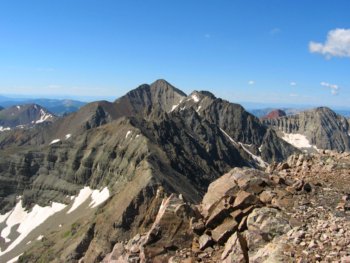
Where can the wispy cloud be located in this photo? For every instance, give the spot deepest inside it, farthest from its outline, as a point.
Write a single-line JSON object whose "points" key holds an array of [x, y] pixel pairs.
{"points": [[333, 87], [293, 83], [251, 82], [336, 45], [275, 31], [207, 35], [293, 95]]}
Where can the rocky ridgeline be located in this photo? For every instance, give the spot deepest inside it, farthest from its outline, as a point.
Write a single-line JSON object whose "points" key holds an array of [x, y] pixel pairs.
{"points": [[297, 211]]}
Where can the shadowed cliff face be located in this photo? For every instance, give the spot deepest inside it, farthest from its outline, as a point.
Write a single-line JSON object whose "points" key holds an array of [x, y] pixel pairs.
{"points": [[153, 136], [322, 127]]}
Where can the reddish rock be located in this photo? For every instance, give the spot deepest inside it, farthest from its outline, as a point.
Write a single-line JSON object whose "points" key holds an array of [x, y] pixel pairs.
{"points": [[274, 114]]}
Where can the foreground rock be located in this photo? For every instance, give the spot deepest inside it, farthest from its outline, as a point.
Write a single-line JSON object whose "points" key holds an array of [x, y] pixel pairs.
{"points": [[169, 232], [295, 212]]}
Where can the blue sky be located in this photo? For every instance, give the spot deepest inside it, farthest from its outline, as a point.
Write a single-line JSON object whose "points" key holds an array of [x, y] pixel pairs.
{"points": [[268, 51]]}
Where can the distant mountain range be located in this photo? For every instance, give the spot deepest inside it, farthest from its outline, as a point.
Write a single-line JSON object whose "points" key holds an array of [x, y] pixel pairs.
{"points": [[56, 106], [261, 112]]}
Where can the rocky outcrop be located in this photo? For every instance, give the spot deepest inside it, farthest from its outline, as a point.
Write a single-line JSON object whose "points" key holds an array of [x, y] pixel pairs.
{"points": [[233, 225], [251, 216], [322, 127], [169, 233]]}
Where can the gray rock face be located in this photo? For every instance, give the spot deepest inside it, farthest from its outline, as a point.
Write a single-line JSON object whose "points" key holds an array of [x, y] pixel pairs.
{"points": [[321, 126], [240, 125]]}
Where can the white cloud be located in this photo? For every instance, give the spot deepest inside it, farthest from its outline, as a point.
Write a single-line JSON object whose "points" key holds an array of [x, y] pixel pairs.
{"points": [[333, 87], [293, 84], [336, 45], [251, 82]]}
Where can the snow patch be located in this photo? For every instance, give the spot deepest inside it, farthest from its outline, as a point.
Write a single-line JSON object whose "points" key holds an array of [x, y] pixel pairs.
{"points": [[27, 221], [297, 140], [195, 98], [228, 136], [83, 195], [55, 141], [68, 136], [4, 128], [198, 108], [18, 107], [98, 197], [13, 260], [4, 217], [127, 134], [174, 107], [256, 158], [40, 237], [44, 116], [260, 148]]}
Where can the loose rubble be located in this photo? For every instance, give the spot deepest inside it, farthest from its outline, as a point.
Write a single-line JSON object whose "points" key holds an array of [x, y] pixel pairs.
{"points": [[297, 211]]}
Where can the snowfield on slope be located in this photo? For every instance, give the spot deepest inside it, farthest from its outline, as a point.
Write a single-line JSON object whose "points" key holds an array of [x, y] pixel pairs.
{"points": [[27, 221], [97, 198], [19, 224], [297, 140]]}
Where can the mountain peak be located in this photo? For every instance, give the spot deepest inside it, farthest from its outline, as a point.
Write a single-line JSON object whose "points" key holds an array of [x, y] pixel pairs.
{"points": [[323, 109], [162, 84]]}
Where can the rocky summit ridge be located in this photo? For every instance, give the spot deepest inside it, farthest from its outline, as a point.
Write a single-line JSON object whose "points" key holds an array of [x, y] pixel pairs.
{"points": [[136, 171]]}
